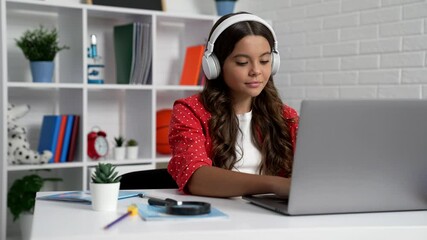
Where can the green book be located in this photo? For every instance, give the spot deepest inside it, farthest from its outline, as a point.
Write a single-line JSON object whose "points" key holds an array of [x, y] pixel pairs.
{"points": [[123, 48]]}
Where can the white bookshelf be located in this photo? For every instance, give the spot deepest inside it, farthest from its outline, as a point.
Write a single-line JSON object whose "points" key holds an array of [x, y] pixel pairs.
{"points": [[128, 110]]}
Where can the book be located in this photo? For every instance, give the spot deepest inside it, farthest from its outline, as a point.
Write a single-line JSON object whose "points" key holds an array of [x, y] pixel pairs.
{"points": [[158, 213], [151, 5], [135, 46], [61, 133], [67, 138], [124, 36], [73, 140], [49, 134], [132, 46], [146, 54], [192, 66], [82, 196]]}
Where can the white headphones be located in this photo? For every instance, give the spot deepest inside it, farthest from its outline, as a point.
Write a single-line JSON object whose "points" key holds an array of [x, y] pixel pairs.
{"points": [[211, 66]]}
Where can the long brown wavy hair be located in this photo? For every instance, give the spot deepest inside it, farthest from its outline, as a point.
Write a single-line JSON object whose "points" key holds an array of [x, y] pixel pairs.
{"points": [[270, 130]]}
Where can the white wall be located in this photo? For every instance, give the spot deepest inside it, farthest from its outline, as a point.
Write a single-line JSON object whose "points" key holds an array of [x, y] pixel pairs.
{"points": [[348, 48]]}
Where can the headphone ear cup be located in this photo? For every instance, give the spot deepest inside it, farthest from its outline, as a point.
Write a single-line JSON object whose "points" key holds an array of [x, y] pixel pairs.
{"points": [[275, 63], [211, 66]]}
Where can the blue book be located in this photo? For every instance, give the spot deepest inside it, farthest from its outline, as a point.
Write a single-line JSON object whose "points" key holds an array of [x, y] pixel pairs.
{"points": [[49, 134], [67, 138]]}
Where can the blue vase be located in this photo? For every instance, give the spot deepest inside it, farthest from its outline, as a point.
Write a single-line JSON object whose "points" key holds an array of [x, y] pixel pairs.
{"points": [[42, 71], [225, 7]]}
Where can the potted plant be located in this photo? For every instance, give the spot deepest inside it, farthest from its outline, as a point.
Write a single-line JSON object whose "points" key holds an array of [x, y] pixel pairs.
{"points": [[40, 46], [21, 199], [119, 149], [104, 187], [132, 149], [224, 7]]}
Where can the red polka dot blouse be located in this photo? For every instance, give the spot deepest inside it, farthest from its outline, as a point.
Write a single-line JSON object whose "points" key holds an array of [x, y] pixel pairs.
{"points": [[190, 139]]}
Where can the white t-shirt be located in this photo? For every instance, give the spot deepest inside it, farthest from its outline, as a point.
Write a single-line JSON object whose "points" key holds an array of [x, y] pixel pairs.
{"points": [[251, 156]]}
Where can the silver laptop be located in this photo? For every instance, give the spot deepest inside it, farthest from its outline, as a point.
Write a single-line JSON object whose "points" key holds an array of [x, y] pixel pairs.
{"points": [[357, 156]]}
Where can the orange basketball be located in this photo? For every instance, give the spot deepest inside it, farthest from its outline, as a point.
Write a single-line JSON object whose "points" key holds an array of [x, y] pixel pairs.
{"points": [[162, 129]]}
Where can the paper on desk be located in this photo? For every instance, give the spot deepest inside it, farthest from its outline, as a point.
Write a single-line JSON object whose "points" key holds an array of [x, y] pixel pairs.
{"points": [[158, 213]]}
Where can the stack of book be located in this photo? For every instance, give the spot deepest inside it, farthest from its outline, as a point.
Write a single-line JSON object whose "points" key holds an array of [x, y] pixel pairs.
{"points": [[59, 135], [133, 51]]}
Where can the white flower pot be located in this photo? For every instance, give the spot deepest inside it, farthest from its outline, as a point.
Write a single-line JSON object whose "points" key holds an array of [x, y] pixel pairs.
{"points": [[25, 224], [104, 196], [132, 152], [119, 153]]}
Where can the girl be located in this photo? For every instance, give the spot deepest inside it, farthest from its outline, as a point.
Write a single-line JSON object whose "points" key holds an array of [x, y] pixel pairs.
{"points": [[236, 137]]}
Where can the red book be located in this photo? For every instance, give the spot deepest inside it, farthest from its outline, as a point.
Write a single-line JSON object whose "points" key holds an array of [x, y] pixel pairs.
{"points": [[73, 141], [60, 138], [192, 65]]}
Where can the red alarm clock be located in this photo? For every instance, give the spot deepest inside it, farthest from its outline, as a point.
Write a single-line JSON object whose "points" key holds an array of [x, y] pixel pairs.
{"points": [[97, 144]]}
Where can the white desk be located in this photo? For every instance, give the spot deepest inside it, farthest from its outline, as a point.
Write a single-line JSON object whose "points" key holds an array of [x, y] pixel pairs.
{"points": [[61, 220]]}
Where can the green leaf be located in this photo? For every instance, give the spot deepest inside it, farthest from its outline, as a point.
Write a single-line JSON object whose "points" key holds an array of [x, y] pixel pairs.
{"points": [[114, 175], [97, 180], [22, 193], [132, 143], [105, 173], [119, 141], [102, 176], [112, 169], [117, 179], [40, 44], [103, 168]]}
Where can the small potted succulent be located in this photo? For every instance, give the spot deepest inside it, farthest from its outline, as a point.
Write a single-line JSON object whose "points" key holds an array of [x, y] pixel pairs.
{"points": [[224, 7], [40, 47], [132, 149], [104, 187], [119, 148]]}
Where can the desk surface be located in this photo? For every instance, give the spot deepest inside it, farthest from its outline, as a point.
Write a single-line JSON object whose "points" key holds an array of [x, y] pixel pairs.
{"points": [[62, 220]]}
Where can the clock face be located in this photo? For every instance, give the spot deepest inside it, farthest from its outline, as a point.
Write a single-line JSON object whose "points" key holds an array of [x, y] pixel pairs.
{"points": [[101, 146]]}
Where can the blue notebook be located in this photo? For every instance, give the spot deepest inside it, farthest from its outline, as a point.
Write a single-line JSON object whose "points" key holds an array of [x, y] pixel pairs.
{"points": [[83, 196], [158, 213], [49, 134]]}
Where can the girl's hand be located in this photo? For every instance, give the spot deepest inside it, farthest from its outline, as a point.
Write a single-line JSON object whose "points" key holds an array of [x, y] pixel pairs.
{"points": [[281, 186]]}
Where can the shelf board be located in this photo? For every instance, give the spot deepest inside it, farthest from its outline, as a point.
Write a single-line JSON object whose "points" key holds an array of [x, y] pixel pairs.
{"points": [[32, 85], [179, 88], [31, 4], [45, 166], [122, 162], [162, 159], [119, 86]]}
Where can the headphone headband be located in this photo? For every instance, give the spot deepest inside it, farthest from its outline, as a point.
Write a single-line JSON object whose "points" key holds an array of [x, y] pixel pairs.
{"points": [[235, 19], [210, 63]]}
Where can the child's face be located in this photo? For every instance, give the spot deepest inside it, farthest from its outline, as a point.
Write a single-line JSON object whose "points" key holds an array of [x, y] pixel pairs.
{"points": [[247, 69]]}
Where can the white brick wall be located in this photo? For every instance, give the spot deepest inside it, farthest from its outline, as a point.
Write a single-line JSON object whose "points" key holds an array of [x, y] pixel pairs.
{"points": [[348, 48]]}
